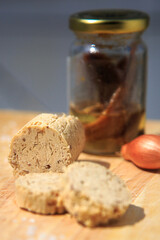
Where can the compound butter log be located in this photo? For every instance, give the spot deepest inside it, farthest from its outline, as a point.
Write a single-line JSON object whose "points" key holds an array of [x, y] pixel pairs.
{"points": [[46, 143]]}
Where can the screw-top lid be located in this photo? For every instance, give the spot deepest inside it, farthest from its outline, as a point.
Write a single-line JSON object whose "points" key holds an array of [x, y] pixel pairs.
{"points": [[109, 21]]}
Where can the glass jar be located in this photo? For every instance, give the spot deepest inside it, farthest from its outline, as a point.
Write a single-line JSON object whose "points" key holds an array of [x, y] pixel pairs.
{"points": [[107, 77]]}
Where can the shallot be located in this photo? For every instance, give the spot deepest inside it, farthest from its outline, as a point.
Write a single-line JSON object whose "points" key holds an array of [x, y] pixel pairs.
{"points": [[143, 151]]}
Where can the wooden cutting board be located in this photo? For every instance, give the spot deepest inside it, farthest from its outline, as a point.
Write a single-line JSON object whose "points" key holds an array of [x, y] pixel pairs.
{"points": [[141, 221]]}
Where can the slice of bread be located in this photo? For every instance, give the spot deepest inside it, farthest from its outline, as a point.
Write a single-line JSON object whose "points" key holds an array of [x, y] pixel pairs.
{"points": [[40, 193], [46, 143], [92, 194]]}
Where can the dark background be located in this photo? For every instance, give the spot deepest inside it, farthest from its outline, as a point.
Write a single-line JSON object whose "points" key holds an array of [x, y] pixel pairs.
{"points": [[34, 44]]}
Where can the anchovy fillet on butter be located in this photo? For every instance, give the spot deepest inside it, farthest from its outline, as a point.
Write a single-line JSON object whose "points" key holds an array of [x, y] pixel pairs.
{"points": [[47, 143]]}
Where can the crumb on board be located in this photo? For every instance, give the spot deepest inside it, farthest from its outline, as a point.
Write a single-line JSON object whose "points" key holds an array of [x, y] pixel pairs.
{"points": [[5, 138], [45, 236], [31, 220], [23, 219], [31, 230]]}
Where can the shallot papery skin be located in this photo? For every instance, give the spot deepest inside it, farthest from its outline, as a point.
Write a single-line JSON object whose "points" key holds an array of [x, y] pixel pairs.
{"points": [[143, 151]]}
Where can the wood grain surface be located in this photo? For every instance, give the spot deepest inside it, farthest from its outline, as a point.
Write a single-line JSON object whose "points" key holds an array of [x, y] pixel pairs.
{"points": [[141, 221]]}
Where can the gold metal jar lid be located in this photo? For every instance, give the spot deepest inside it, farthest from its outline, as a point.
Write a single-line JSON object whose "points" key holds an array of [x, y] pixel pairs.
{"points": [[109, 21]]}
